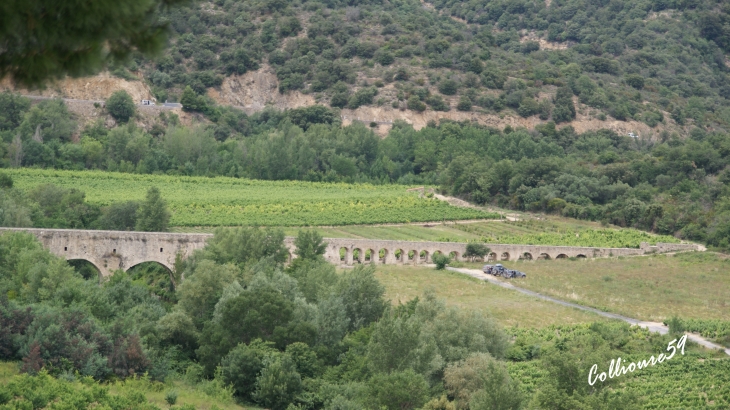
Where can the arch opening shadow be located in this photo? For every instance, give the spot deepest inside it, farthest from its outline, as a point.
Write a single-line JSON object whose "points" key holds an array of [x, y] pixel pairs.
{"points": [[370, 255], [543, 257], [505, 256], [454, 255], [580, 256], [526, 256], [382, 255], [399, 255], [412, 255], [491, 257], [157, 276], [343, 254], [423, 257], [85, 268], [357, 255], [562, 256]]}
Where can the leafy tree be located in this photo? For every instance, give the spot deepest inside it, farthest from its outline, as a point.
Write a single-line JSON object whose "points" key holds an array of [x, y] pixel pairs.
{"points": [[448, 87], [309, 245], [190, 100], [466, 377], [304, 358], [152, 215], [120, 106], [476, 250], [308, 116], [42, 41], [177, 329], [635, 80], [245, 245], [404, 390], [415, 104], [564, 108], [48, 121], [362, 295], [440, 260], [203, 288], [119, 216], [12, 109], [498, 392], [279, 382], [242, 365], [315, 278], [464, 104], [528, 107], [61, 208], [437, 103]]}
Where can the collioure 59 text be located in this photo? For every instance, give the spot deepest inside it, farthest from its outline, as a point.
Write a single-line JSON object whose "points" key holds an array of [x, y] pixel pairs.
{"points": [[616, 369]]}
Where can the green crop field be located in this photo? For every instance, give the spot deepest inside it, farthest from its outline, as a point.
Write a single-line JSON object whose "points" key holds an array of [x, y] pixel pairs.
{"points": [[530, 232], [221, 201]]}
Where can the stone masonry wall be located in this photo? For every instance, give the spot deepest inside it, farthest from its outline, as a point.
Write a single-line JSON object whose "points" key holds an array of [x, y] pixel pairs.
{"points": [[112, 250]]}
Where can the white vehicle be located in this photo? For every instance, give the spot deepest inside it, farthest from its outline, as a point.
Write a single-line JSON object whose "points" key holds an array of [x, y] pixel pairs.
{"points": [[147, 102]]}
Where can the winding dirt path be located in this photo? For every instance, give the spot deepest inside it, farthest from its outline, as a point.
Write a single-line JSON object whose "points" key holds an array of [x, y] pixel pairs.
{"points": [[651, 326]]}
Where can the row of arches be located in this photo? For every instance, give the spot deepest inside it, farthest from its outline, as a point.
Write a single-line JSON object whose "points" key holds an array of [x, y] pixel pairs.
{"points": [[348, 256], [384, 255], [90, 270]]}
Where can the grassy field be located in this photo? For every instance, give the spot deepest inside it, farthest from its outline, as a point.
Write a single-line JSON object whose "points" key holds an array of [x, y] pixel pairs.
{"points": [[553, 231], [221, 201], [653, 288], [508, 307]]}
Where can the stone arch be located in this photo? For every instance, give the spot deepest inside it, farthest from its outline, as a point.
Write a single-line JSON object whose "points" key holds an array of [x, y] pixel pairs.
{"points": [[137, 263], [491, 257], [370, 256], [79, 264], [454, 255], [383, 255], [342, 254], [504, 256], [358, 256], [562, 256], [543, 256], [400, 256], [580, 256], [424, 257], [526, 256], [412, 256]]}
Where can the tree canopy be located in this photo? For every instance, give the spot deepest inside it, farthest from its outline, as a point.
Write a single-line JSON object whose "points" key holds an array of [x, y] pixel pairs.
{"points": [[44, 40]]}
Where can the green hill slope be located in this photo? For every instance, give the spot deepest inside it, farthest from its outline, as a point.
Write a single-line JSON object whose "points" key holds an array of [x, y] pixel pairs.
{"points": [[650, 61]]}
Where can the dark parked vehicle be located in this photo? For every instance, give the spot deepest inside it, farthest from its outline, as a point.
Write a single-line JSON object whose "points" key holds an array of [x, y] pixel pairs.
{"points": [[499, 270]]}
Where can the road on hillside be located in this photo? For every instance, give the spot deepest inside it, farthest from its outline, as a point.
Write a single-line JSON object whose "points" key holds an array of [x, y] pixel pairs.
{"points": [[38, 97], [652, 326]]}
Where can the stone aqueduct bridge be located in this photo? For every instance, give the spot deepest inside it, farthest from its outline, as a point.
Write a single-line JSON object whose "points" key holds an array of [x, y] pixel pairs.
{"points": [[112, 250]]}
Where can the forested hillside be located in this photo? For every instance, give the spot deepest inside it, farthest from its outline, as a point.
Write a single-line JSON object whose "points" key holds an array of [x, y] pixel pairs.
{"points": [[651, 61]]}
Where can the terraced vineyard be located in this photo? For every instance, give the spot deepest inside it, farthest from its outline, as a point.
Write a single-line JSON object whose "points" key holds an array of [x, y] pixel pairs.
{"points": [[555, 231], [221, 201]]}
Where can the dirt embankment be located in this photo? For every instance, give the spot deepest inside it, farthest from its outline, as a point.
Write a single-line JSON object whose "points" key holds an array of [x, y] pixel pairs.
{"points": [[256, 90], [98, 87]]}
